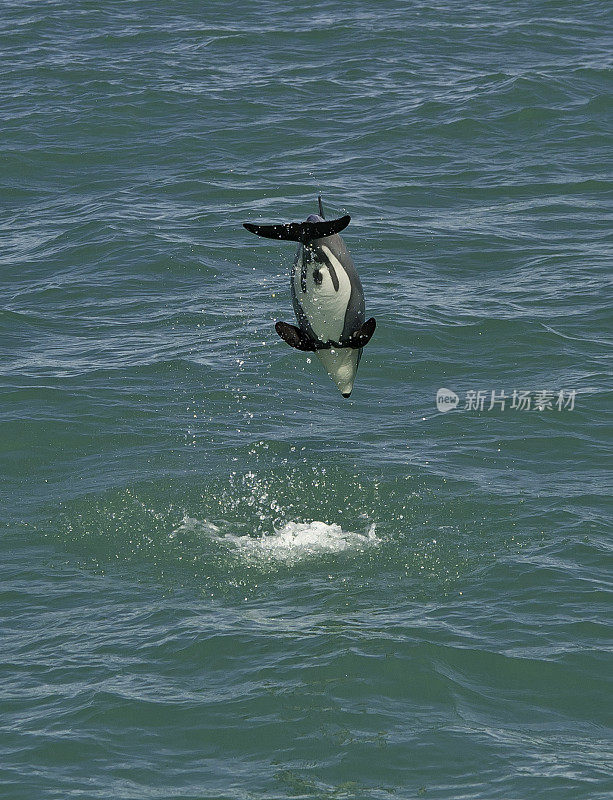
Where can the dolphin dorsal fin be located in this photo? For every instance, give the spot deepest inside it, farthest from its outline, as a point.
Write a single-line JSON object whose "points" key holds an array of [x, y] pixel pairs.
{"points": [[321, 207], [300, 231]]}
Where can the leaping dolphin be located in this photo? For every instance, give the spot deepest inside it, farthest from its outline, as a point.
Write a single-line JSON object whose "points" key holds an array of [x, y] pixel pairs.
{"points": [[327, 296]]}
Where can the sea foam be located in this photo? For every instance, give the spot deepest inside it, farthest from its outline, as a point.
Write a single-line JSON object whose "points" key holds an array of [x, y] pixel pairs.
{"points": [[292, 541]]}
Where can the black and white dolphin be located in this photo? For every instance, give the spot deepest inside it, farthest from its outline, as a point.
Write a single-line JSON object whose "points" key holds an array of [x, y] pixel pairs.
{"points": [[327, 296]]}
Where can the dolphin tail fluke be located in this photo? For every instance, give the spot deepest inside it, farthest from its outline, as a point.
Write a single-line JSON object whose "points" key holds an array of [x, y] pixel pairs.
{"points": [[300, 231], [294, 336], [321, 207], [363, 335]]}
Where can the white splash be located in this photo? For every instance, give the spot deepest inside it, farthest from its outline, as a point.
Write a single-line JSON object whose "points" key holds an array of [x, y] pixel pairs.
{"points": [[297, 540], [294, 541]]}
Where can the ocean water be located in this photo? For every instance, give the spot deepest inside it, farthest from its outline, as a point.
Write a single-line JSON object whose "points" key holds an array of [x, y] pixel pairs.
{"points": [[218, 578]]}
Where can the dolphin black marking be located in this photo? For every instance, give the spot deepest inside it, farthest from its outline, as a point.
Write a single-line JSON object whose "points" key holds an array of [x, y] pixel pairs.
{"points": [[327, 295], [303, 270]]}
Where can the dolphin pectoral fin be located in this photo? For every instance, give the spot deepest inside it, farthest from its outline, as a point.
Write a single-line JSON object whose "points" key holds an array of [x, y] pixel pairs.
{"points": [[293, 336], [362, 336]]}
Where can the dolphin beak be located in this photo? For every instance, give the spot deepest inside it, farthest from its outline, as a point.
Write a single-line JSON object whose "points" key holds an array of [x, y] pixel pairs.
{"points": [[341, 364]]}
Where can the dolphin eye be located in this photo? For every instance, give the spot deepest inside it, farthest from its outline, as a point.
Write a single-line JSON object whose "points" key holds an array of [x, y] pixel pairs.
{"points": [[317, 277]]}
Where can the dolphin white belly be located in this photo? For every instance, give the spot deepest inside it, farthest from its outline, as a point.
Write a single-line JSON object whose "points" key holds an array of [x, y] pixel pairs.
{"points": [[341, 364], [324, 306]]}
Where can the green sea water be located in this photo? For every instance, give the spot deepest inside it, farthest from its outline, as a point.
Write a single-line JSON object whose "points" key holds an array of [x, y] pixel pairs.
{"points": [[218, 578]]}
